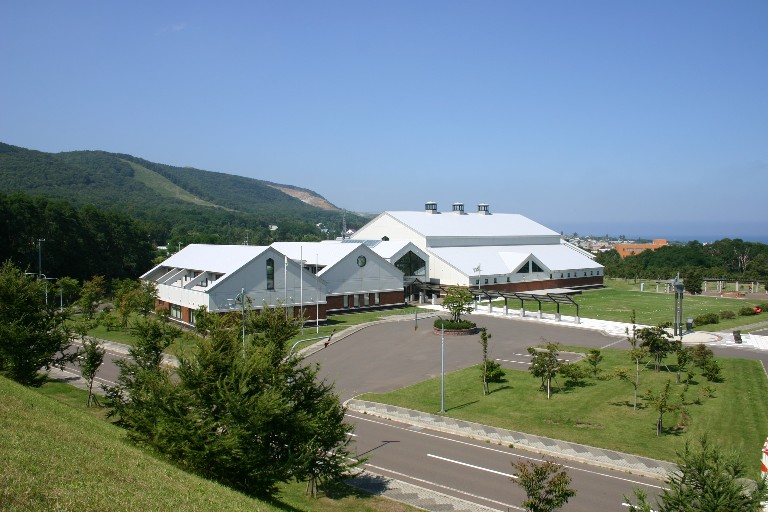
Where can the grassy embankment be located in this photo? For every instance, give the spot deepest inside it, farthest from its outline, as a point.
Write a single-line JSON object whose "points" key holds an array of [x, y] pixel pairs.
{"points": [[600, 412], [617, 301], [54, 455]]}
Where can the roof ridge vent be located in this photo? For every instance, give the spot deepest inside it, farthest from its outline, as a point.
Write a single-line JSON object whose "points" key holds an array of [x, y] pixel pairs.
{"points": [[430, 207], [458, 208], [482, 209]]}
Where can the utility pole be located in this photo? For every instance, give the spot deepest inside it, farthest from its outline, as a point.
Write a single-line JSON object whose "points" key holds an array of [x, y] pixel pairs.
{"points": [[40, 257]]}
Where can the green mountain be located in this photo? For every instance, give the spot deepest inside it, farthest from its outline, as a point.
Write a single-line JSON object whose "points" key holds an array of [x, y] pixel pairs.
{"points": [[180, 204]]}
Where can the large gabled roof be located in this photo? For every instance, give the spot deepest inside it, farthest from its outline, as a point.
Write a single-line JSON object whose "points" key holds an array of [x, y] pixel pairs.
{"points": [[508, 259], [471, 224], [219, 259]]}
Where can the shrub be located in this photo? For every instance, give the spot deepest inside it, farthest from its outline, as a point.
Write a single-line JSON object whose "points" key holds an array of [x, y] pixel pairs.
{"points": [[495, 373], [727, 315], [747, 311], [706, 319], [702, 354], [712, 371], [574, 373], [763, 306], [449, 324]]}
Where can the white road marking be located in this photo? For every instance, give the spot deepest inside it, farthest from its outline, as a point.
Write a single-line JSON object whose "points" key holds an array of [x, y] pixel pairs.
{"points": [[482, 447], [487, 470], [439, 486]]}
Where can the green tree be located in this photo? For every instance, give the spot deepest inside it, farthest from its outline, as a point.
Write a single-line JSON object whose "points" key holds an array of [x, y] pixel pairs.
{"points": [[658, 342], [458, 300], [661, 404], [545, 365], [693, 280], [546, 485], [707, 480], [33, 334], [91, 293], [684, 357], [67, 288], [484, 337], [593, 359], [90, 361], [249, 418]]}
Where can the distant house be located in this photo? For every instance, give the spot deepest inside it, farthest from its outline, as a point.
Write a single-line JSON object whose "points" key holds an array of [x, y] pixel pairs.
{"points": [[495, 251], [625, 250]]}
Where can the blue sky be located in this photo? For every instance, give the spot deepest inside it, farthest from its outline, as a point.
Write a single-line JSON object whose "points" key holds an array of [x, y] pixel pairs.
{"points": [[636, 118]]}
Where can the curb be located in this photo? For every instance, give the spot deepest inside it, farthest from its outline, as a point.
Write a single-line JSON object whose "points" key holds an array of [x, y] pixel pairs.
{"points": [[610, 459]]}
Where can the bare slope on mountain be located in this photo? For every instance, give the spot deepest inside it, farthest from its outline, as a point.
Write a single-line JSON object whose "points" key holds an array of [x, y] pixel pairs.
{"points": [[306, 196]]}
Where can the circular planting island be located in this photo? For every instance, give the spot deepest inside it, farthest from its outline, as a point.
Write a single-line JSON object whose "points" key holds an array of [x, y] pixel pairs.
{"points": [[464, 328]]}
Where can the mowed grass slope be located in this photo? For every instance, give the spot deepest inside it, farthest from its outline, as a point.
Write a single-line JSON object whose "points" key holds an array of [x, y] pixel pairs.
{"points": [[600, 412], [54, 455]]}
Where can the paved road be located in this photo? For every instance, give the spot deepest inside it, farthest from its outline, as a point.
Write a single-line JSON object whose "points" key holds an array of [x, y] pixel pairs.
{"points": [[388, 356]]}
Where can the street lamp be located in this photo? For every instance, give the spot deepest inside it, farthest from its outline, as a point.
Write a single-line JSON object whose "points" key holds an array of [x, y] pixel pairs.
{"points": [[40, 257], [241, 300], [442, 366]]}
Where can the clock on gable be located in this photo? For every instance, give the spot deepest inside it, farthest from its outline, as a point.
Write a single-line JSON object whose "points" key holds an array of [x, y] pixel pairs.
{"points": [[361, 261]]}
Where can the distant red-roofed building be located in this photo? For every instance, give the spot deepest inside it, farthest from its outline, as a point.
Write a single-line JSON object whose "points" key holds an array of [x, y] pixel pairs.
{"points": [[625, 250]]}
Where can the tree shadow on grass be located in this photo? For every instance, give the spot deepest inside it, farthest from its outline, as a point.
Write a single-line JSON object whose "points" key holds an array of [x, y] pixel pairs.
{"points": [[500, 388], [628, 404], [462, 405], [363, 486]]}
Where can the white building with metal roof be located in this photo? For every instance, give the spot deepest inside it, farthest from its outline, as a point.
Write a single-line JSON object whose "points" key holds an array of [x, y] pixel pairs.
{"points": [[355, 275], [499, 251], [215, 277]]}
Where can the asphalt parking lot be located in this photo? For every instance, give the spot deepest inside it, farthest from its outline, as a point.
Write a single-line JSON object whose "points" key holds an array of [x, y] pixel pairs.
{"points": [[391, 355]]}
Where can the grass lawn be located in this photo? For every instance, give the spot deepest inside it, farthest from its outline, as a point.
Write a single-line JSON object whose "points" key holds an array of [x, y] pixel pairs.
{"points": [[617, 301], [600, 412], [186, 343], [56, 455]]}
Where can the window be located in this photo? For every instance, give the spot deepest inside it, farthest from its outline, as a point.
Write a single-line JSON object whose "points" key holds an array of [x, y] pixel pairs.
{"points": [[270, 274], [585, 274], [376, 298], [477, 281], [367, 299], [356, 298], [411, 265], [486, 281], [535, 267], [494, 280], [569, 274], [192, 318], [507, 278], [176, 311], [524, 269], [590, 272], [345, 301]]}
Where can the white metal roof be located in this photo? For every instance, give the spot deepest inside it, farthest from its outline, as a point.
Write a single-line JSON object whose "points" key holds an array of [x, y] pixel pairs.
{"points": [[506, 259], [325, 254], [451, 224], [222, 259]]}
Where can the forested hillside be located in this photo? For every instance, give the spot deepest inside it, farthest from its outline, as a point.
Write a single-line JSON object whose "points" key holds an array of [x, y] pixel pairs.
{"points": [[178, 205], [57, 239]]}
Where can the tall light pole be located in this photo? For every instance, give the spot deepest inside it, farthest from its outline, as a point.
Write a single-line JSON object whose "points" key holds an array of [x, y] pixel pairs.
{"points": [[40, 257], [442, 366], [241, 299]]}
